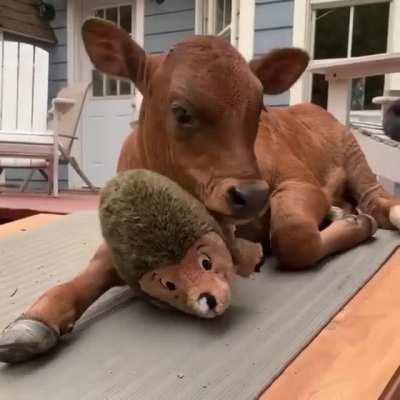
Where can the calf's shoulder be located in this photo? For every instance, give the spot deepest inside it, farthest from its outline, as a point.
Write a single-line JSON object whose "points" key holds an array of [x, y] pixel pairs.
{"points": [[129, 157]]}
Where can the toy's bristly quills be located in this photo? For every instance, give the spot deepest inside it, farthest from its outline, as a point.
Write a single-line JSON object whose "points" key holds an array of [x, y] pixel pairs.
{"points": [[148, 221]]}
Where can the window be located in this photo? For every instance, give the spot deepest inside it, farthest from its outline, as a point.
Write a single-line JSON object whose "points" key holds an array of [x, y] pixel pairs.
{"points": [[24, 70], [220, 17], [104, 85], [351, 32]]}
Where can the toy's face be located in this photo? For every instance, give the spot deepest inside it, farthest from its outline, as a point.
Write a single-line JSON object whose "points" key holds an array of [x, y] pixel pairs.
{"points": [[200, 284]]}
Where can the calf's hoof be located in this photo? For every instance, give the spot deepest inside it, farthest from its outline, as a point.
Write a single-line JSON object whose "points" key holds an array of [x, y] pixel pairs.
{"points": [[336, 213], [394, 216], [361, 219], [25, 339]]}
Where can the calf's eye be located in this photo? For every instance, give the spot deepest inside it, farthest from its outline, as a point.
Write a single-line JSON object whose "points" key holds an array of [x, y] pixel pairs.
{"points": [[182, 114]]}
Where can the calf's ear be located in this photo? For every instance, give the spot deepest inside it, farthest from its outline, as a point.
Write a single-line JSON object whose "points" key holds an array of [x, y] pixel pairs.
{"points": [[113, 52], [279, 69]]}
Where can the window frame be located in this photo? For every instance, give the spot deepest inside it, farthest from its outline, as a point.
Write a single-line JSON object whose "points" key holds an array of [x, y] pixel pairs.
{"points": [[303, 37], [242, 23]]}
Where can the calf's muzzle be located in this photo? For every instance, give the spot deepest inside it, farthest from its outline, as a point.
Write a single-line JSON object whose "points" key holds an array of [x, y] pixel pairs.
{"points": [[248, 200]]}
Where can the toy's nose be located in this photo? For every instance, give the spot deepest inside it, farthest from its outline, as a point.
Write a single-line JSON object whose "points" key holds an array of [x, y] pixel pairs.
{"points": [[209, 299]]}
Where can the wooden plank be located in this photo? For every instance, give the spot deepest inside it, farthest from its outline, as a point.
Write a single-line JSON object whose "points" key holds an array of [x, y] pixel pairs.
{"points": [[23, 7], [357, 353], [27, 224]]}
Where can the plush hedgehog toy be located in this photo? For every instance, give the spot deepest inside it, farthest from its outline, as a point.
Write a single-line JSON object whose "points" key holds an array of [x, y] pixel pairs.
{"points": [[165, 242]]}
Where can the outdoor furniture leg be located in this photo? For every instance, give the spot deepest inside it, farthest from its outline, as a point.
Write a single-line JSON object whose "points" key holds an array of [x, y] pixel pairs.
{"points": [[50, 172], [83, 176], [44, 174], [24, 186]]}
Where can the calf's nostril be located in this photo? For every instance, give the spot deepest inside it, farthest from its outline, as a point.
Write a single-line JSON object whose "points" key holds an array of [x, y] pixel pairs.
{"points": [[171, 285], [210, 300], [237, 197], [248, 199]]}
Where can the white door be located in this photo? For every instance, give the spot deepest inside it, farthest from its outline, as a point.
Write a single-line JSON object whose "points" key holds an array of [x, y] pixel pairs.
{"points": [[110, 107]]}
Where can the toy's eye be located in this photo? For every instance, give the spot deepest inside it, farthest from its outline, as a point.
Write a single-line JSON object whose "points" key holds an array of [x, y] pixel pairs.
{"points": [[205, 262], [168, 285]]}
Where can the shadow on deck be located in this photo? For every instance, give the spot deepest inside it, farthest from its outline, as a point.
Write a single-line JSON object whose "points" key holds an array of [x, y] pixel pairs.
{"points": [[15, 205]]}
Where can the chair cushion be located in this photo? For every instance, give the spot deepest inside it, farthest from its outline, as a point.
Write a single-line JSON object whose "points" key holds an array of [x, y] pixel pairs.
{"points": [[9, 162]]}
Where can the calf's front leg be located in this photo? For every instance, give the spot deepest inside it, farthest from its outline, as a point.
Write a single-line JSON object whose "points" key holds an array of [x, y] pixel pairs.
{"points": [[56, 311]]}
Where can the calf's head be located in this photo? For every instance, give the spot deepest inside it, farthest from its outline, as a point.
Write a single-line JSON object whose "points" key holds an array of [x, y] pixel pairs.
{"points": [[200, 111]]}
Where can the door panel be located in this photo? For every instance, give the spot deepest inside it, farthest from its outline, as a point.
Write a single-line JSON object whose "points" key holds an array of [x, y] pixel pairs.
{"points": [[110, 105]]}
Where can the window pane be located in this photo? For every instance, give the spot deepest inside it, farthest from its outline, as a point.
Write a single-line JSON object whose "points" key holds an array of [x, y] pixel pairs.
{"points": [[219, 16], [370, 29], [126, 18], [228, 12], [227, 35], [357, 94], [97, 78], [111, 87], [319, 91], [364, 90], [124, 87], [331, 33], [112, 15], [373, 87], [99, 13]]}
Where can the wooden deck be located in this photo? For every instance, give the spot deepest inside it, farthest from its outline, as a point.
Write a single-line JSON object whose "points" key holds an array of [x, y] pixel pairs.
{"points": [[352, 358], [15, 205], [356, 354]]}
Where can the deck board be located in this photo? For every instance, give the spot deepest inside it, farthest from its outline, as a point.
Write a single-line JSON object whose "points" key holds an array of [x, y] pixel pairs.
{"points": [[352, 358], [356, 354], [26, 224]]}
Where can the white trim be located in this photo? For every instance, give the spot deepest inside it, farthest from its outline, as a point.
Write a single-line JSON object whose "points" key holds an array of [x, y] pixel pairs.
{"points": [[3, 173], [302, 33], [76, 62], [350, 34], [303, 37], [392, 81], [74, 18], [343, 3], [246, 28], [74, 72], [198, 17], [241, 26], [139, 38]]}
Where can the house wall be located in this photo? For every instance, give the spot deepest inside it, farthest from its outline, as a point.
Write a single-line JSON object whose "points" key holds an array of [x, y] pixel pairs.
{"points": [[273, 28], [57, 80], [167, 23], [58, 54]]}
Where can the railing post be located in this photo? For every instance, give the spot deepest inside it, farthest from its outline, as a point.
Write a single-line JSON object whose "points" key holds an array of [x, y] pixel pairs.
{"points": [[339, 96]]}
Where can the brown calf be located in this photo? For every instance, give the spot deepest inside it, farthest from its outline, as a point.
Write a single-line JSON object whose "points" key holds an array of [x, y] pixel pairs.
{"points": [[202, 109]]}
